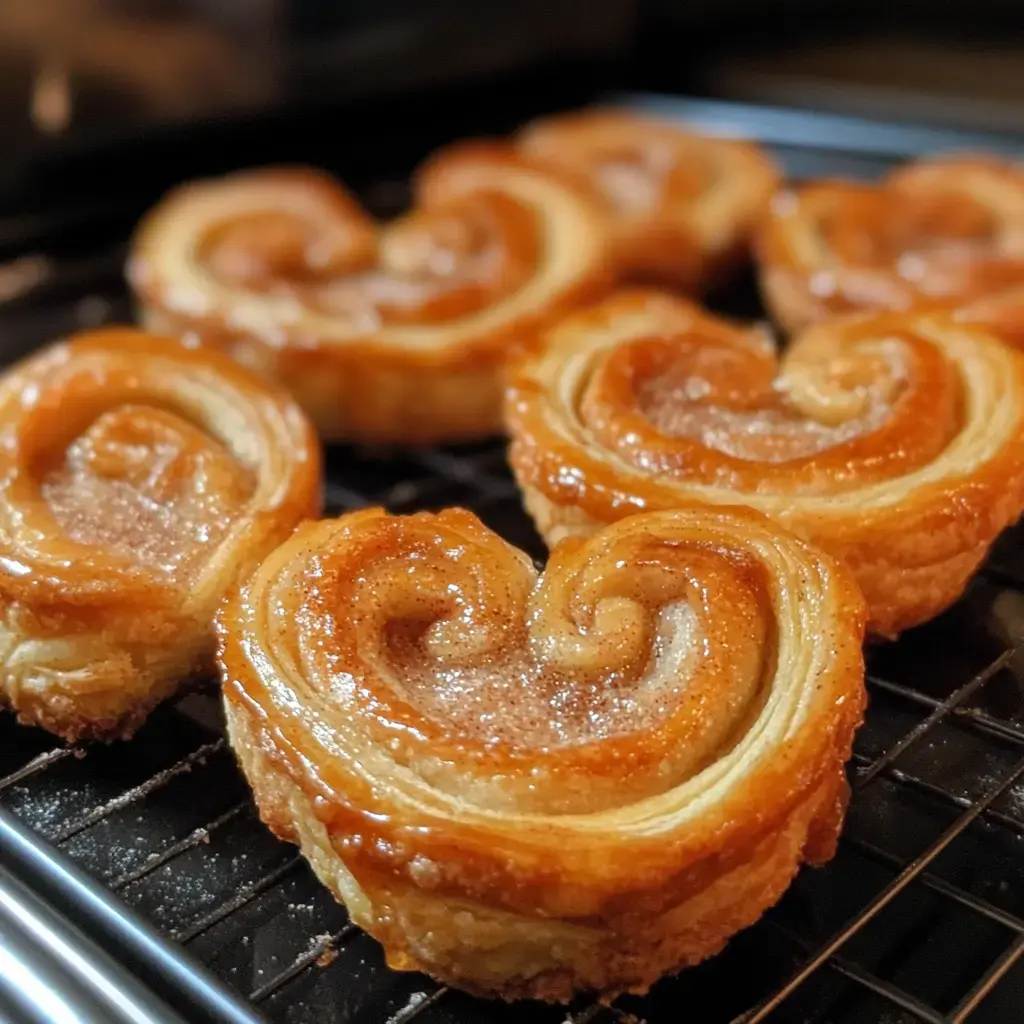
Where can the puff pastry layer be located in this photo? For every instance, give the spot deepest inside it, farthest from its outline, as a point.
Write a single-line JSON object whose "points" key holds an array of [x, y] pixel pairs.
{"points": [[390, 333], [947, 229], [531, 786], [136, 478], [679, 207], [894, 441]]}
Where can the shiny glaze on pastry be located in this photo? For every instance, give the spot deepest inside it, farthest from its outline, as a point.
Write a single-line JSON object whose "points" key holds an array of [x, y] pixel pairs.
{"points": [[894, 441], [384, 333], [947, 229], [136, 477], [680, 207], [527, 785], [1001, 313]]}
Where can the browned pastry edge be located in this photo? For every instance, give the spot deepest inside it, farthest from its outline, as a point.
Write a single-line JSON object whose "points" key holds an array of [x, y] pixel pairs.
{"points": [[66, 718], [630, 961]]}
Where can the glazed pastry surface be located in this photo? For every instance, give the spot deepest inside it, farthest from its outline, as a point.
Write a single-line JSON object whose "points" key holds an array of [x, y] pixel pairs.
{"points": [[388, 333], [526, 785], [894, 441], [680, 207], [945, 230], [136, 478], [1001, 313]]}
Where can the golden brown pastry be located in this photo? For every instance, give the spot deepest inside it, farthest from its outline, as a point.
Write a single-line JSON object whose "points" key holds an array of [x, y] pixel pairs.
{"points": [[526, 786], [894, 441], [680, 207], [136, 478], [385, 334], [1001, 313], [948, 229]]}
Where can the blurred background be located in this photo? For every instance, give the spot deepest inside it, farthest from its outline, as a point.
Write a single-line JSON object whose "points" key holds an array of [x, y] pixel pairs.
{"points": [[92, 68]]}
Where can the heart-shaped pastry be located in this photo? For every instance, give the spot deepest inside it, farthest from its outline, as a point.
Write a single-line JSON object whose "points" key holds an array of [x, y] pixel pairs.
{"points": [[680, 207], [136, 478], [944, 230], [894, 441], [385, 333], [528, 785]]}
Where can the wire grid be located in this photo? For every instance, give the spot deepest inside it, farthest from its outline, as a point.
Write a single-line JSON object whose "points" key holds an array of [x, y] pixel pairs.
{"points": [[477, 478], [935, 827]]}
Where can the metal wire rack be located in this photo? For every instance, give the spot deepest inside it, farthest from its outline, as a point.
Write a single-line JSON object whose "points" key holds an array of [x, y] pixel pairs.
{"points": [[919, 918]]}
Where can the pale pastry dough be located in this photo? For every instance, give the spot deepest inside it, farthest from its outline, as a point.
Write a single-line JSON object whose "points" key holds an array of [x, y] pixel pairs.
{"points": [[946, 230], [393, 333], [529, 786], [680, 207], [136, 478], [895, 441]]}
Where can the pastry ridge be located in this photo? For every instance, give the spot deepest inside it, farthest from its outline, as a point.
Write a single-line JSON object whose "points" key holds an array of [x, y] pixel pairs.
{"points": [[109, 437], [476, 848], [385, 333], [944, 230], [894, 441], [681, 208]]}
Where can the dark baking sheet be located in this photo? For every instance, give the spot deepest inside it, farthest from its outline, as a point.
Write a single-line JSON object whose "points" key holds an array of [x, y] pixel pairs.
{"points": [[920, 916]]}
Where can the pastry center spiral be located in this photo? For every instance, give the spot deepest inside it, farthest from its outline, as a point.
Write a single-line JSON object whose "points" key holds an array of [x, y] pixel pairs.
{"points": [[515, 701], [150, 486], [265, 249], [634, 667], [938, 240], [732, 415], [426, 267]]}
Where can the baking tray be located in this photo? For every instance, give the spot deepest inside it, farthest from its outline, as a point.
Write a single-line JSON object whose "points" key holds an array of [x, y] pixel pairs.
{"points": [[920, 917]]}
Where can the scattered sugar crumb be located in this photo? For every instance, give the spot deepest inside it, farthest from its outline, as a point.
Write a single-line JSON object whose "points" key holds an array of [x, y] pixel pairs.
{"points": [[414, 1001]]}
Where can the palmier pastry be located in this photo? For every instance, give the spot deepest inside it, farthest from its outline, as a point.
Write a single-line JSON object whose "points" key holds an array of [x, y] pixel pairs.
{"points": [[948, 230], [680, 208], [385, 334], [531, 786], [136, 478], [894, 441]]}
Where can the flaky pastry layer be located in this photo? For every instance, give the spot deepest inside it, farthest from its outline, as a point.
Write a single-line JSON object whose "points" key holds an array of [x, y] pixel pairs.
{"points": [[896, 442], [531, 786], [136, 478], [385, 333], [945, 230], [680, 208]]}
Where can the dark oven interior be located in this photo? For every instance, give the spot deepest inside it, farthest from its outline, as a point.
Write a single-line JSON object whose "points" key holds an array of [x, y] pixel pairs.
{"points": [[919, 918]]}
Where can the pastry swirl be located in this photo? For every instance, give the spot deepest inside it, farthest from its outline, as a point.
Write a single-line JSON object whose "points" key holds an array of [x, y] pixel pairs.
{"points": [[527, 786], [896, 441], [136, 477], [680, 207], [948, 230], [391, 333]]}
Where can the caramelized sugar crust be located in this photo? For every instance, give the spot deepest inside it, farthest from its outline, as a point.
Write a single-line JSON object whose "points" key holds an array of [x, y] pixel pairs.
{"points": [[947, 230], [532, 785], [384, 332], [136, 478], [896, 442], [679, 207], [1001, 313]]}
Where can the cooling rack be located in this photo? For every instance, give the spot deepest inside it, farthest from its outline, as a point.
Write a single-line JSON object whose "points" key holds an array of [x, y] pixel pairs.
{"points": [[920, 917]]}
